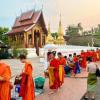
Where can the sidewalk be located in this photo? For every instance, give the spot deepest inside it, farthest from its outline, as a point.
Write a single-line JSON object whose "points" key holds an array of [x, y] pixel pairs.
{"points": [[73, 89]]}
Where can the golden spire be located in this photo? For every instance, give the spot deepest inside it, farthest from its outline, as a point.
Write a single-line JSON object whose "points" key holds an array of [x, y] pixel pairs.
{"points": [[60, 28], [60, 39], [49, 39]]}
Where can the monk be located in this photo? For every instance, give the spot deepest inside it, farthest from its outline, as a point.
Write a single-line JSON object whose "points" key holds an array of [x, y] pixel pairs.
{"points": [[93, 55], [61, 59], [27, 85], [83, 61], [88, 53], [53, 69], [62, 62], [5, 75], [97, 54]]}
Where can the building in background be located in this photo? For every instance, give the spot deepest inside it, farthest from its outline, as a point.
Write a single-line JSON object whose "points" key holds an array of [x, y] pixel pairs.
{"points": [[28, 31]]}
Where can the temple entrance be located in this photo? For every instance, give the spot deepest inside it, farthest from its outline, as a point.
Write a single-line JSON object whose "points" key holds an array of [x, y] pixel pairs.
{"points": [[30, 40], [37, 41]]}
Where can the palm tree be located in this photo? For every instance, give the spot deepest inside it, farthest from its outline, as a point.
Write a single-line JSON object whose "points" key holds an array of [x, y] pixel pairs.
{"points": [[80, 28]]}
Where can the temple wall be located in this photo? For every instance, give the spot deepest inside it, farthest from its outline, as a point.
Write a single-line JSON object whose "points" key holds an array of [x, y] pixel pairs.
{"points": [[26, 39]]}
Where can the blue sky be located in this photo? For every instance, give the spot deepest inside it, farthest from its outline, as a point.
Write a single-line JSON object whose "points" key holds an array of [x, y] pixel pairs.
{"points": [[73, 11]]}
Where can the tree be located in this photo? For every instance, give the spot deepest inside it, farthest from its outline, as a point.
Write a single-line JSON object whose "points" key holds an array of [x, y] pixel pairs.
{"points": [[54, 35], [72, 30], [3, 36]]}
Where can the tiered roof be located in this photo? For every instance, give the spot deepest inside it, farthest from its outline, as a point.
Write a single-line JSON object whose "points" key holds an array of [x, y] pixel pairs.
{"points": [[26, 21]]}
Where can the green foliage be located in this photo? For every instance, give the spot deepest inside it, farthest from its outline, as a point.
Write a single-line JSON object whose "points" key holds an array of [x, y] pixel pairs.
{"points": [[84, 40], [17, 52], [54, 35], [72, 30], [3, 36], [4, 53]]}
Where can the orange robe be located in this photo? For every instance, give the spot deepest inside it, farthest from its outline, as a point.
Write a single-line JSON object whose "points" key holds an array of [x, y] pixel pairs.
{"points": [[88, 54], [83, 62], [5, 90], [97, 55], [94, 56], [29, 89], [54, 80], [62, 62]]}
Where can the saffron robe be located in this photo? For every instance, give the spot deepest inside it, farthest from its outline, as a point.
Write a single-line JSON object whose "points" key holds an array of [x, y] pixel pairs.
{"points": [[29, 89], [62, 62], [54, 80], [83, 62], [97, 55], [5, 90], [94, 56]]}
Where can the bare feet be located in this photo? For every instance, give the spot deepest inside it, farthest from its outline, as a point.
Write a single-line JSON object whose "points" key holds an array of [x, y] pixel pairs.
{"points": [[52, 92]]}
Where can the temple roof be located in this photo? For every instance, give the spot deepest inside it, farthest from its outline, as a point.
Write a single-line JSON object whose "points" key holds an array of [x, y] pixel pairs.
{"points": [[26, 21]]}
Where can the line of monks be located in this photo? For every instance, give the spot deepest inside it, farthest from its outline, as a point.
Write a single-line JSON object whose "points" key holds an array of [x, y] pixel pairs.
{"points": [[56, 70], [60, 66]]}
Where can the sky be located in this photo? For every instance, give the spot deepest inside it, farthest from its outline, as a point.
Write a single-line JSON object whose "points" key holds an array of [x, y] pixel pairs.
{"points": [[72, 11]]}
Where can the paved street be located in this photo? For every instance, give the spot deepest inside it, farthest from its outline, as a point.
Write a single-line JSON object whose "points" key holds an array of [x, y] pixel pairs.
{"points": [[17, 66], [73, 88]]}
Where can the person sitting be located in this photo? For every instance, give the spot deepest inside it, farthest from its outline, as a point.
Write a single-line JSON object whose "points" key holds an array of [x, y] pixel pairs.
{"points": [[70, 64], [76, 63]]}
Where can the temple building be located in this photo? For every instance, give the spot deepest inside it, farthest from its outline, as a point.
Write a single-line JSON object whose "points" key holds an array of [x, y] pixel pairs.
{"points": [[28, 31]]}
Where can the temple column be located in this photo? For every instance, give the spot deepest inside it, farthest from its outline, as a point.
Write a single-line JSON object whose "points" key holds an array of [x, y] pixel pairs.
{"points": [[18, 39], [32, 38], [14, 41], [26, 40], [40, 39], [22, 40]]}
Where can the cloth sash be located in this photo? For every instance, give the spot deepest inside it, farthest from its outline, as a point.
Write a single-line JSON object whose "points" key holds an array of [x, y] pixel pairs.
{"points": [[61, 72], [97, 56], [51, 76]]}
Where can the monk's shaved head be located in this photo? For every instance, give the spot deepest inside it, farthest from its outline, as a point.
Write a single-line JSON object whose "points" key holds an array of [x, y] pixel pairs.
{"points": [[22, 56]]}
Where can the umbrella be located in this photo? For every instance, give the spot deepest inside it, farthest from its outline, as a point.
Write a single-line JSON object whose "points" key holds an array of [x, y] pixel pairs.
{"points": [[50, 46]]}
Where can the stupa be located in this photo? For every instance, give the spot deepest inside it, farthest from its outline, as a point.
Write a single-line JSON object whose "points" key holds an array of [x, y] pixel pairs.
{"points": [[60, 39], [49, 39]]}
